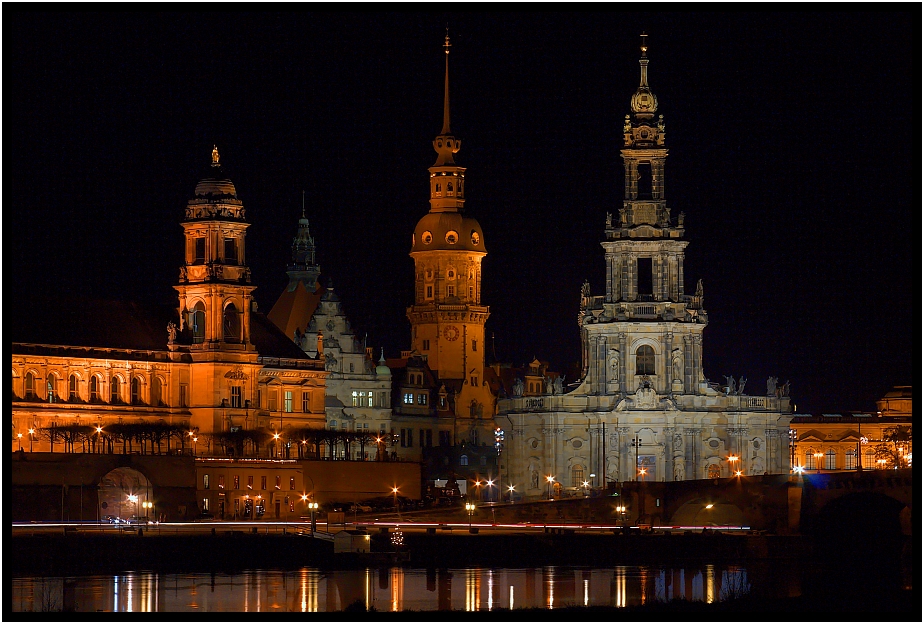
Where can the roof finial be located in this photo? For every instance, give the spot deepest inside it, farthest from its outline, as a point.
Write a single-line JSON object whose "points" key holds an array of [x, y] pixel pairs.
{"points": [[214, 154], [303, 203], [644, 44], [446, 46]]}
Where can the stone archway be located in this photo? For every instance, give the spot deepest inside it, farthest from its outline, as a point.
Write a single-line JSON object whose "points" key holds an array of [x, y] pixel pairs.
{"points": [[709, 511], [122, 493]]}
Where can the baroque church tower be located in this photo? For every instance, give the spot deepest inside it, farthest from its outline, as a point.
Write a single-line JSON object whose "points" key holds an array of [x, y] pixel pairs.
{"points": [[643, 409], [448, 318]]}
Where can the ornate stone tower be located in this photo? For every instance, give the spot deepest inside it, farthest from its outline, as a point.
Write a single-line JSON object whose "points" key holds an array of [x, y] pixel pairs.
{"points": [[644, 271], [447, 318], [215, 297], [303, 268]]}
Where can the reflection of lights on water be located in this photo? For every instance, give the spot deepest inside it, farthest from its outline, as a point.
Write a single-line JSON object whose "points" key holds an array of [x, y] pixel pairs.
{"points": [[586, 591], [551, 585], [472, 589], [511, 597], [644, 583], [367, 587], [710, 584], [490, 589], [620, 584]]}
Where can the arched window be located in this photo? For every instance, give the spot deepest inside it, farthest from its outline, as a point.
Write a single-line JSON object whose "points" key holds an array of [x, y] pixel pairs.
{"points": [[851, 460], [137, 399], [463, 460], [114, 390], [232, 324], [645, 361], [51, 387], [577, 475], [449, 188], [72, 395], [156, 398], [197, 323], [714, 472], [830, 460], [810, 459], [94, 389], [438, 188], [30, 385], [869, 459]]}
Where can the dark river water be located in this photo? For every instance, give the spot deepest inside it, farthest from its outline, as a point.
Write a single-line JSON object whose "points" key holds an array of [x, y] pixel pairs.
{"points": [[385, 589]]}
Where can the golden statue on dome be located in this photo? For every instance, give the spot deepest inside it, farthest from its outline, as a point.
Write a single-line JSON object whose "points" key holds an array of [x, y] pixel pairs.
{"points": [[214, 154]]}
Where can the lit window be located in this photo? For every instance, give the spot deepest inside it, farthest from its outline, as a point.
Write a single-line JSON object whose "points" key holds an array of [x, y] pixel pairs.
{"points": [[830, 460], [205, 482], [577, 476], [136, 391], [408, 398], [306, 402], [463, 461], [263, 482], [421, 399], [51, 382], [221, 482], [249, 482], [291, 483], [288, 405], [236, 392], [72, 388], [645, 361], [851, 460], [205, 504], [278, 482], [237, 482], [114, 391], [94, 388]]}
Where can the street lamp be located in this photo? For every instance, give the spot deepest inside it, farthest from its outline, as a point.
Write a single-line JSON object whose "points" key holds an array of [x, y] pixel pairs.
{"points": [[31, 438], [511, 489], [394, 492], [642, 472], [818, 456], [584, 485], [313, 508], [470, 509], [863, 440], [793, 437], [489, 484], [733, 459], [195, 445], [276, 445], [550, 479], [19, 437], [477, 490], [99, 436]]}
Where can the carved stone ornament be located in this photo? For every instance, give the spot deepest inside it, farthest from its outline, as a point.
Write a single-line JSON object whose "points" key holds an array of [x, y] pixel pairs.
{"points": [[646, 398], [678, 441]]}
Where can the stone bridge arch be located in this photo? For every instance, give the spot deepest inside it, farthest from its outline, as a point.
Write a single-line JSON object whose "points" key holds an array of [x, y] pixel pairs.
{"points": [[123, 492]]}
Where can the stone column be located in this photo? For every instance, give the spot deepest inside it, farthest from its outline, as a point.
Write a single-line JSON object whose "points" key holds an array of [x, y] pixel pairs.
{"points": [[668, 436], [697, 361], [623, 358], [668, 342], [688, 387]]}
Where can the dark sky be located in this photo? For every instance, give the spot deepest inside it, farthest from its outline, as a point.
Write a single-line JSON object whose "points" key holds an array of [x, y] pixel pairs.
{"points": [[790, 140]]}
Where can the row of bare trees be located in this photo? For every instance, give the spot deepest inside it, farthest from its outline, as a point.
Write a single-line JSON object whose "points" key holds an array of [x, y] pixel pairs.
{"points": [[162, 438]]}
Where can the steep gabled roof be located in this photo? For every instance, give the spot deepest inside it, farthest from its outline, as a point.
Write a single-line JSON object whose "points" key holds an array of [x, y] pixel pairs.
{"points": [[294, 308]]}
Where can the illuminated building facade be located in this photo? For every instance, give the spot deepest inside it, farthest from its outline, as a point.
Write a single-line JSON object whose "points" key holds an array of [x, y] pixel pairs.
{"points": [[833, 442], [84, 370], [358, 390], [643, 408]]}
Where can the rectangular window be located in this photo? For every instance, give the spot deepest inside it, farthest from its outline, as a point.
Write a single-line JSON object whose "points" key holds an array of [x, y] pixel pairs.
{"points": [[444, 438], [184, 395], [263, 482], [810, 461], [199, 258], [851, 463], [288, 407], [259, 398], [205, 504], [230, 251], [450, 291], [408, 398], [355, 398], [237, 482], [205, 482], [249, 482], [272, 401], [306, 402], [644, 276], [830, 460], [221, 482], [420, 438], [471, 292], [429, 292], [426, 345], [421, 399], [278, 482], [474, 381], [236, 393], [429, 438], [474, 345], [291, 483]]}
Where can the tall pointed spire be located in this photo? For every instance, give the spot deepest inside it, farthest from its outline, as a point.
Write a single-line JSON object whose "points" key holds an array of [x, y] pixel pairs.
{"points": [[446, 46]]}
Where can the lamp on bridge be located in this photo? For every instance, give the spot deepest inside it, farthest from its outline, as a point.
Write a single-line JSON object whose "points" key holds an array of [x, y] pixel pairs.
{"points": [[470, 509], [312, 508], [511, 489]]}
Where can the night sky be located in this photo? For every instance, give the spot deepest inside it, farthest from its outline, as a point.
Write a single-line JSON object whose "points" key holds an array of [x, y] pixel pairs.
{"points": [[790, 137]]}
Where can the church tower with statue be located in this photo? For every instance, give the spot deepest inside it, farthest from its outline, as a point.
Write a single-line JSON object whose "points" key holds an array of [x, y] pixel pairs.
{"points": [[643, 410]]}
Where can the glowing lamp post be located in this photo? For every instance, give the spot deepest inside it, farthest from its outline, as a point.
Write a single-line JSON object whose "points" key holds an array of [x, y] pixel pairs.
{"points": [[733, 464], [19, 437], [469, 509], [394, 492], [511, 489], [818, 457], [276, 445], [312, 508], [31, 438], [551, 480]]}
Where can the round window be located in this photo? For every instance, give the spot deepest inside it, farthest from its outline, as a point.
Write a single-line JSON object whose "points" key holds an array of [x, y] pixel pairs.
{"points": [[427, 237], [452, 237], [577, 444], [475, 238]]}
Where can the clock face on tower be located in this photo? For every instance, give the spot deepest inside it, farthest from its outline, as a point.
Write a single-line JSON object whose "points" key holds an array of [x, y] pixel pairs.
{"points": [[451, 332]]}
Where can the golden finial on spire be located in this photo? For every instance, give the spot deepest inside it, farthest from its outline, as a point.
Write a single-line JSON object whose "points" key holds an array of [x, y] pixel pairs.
{"points": [[644, 44], [446, 44], [214, 154]]}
